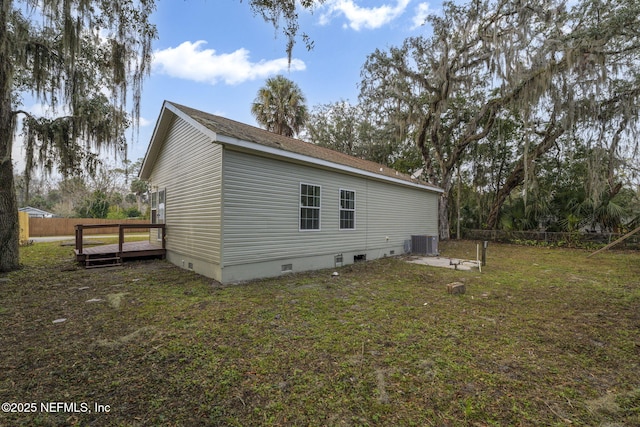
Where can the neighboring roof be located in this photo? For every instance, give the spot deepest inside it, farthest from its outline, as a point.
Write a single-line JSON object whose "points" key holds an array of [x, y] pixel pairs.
{"points": [[232, 133], [35, 211]]}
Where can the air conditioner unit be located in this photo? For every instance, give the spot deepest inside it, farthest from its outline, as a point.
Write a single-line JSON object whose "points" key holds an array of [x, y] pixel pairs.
{"points": [[424, 245]]}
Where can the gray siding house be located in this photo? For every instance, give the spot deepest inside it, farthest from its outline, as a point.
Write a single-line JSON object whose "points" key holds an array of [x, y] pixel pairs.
{"points": [[241, 203], [36, 213]]}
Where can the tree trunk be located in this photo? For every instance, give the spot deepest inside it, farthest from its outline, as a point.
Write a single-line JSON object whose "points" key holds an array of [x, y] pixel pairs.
{"points": [[458, 216], [9, 227], [443, 216], [445, 184], [139, 203], [516, 177]]}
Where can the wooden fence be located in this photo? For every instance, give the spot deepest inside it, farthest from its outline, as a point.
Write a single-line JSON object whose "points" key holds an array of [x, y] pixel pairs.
{"points": [[23, 220], [41, 227]]}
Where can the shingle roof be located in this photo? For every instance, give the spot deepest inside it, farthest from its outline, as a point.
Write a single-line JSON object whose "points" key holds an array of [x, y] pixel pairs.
{"points": [[244, 132]]}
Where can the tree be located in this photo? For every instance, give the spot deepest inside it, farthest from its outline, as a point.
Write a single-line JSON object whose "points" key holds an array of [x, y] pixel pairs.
{"points": [[139, 189], [280, 106], [546, 68], [336, 126], [95, 206], [73, 191], [275, 11], [592, 93], [67, 55], [360, 132]]}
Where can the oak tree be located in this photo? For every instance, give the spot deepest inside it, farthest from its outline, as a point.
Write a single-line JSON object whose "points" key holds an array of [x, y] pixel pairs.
{"points": [[553, 70]]}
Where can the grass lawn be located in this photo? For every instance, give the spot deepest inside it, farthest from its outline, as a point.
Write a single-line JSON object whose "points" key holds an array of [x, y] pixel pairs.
{"points": [[542, 337]]}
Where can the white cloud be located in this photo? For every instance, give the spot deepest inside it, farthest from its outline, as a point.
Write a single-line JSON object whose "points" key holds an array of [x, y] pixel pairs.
{"points": [[191, 62], [362, 17], [422, 11]]}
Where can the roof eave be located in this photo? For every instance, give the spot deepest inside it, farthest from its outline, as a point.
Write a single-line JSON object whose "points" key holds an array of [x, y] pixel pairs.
{"points": [[252, 146], [153, 147]]}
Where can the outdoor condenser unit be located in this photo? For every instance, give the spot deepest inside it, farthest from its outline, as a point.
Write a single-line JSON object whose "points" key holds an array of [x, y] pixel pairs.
{"points": [[424, 245]]}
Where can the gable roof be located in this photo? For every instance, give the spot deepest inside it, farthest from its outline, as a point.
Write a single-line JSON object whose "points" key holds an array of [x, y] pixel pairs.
{"points": [[242, 136]]}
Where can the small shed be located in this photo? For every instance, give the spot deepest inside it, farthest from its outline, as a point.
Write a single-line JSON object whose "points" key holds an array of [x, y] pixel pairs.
{"points": [[241, 203]]}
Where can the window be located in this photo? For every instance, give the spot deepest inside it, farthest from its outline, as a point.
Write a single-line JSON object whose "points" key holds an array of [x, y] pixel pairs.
{"points": [[347, 210], [158, 209], [154, 207], [161, 206], [309, 207]]}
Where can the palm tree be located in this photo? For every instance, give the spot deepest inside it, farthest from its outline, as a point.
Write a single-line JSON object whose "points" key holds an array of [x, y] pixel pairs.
{"points": [[280, 106]]}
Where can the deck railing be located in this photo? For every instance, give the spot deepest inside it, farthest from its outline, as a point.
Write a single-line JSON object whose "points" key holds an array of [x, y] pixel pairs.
{"points": [[121, 228]]}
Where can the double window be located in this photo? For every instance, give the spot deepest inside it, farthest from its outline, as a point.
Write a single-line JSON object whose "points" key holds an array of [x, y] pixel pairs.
{"points": [[309, 207], [347, 210], [310, 201]]}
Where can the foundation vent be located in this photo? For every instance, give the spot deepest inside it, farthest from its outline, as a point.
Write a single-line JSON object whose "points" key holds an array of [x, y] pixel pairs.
{"points": [[286, 268]]}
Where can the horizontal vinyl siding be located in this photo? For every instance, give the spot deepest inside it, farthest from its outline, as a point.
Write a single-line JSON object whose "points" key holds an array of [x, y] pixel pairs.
{"points": [[398, 213], [261, 211], [189, 167]]}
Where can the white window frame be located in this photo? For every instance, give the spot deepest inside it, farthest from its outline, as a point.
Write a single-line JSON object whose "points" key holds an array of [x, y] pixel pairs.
{"points": [[341, 209], [158, 209], [153, 201], [318, 208]]}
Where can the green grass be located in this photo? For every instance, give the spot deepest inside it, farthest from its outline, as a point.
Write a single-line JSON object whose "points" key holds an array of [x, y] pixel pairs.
{"points": [[541, 337]]}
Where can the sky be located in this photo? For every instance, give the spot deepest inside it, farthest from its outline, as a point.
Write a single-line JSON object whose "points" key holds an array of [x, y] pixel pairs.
{"points": [[214, 55]]}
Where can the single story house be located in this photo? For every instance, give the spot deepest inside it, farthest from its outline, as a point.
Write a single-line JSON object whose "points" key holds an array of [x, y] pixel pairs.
{"points": [[241, 203], [36, 213]]}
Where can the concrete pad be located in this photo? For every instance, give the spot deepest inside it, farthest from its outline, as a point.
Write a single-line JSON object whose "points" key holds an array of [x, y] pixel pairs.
{"points": [[444, 262]]}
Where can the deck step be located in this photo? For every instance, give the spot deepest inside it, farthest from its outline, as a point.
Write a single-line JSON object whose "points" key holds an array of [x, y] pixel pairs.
{"points": [[102, 262]]}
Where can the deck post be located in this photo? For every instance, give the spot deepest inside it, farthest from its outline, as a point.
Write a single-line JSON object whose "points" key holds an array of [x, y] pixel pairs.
{"points": [[120, 239], [164, 234], [79, 239]]}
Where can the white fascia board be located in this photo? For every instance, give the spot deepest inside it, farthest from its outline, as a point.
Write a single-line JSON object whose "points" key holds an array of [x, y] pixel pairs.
{"points": [[143, 173], [308, 159]]}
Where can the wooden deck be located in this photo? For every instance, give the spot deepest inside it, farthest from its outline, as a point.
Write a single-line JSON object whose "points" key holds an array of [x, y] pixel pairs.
{"points": [[129, 249], [115, 254]]}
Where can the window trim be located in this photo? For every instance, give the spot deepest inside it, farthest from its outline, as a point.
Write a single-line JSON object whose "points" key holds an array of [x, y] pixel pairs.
{"points": [[341, 209], [300, 207], [158, 212], [153, 202]]}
